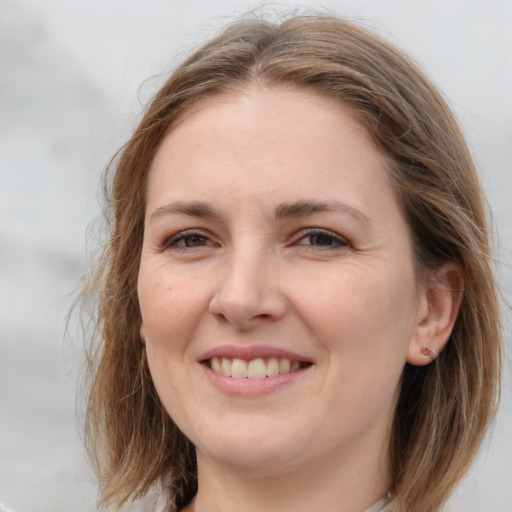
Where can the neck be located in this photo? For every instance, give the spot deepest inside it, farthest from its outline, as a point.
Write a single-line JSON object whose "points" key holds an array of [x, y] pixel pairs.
{"points": [[349, 486]]}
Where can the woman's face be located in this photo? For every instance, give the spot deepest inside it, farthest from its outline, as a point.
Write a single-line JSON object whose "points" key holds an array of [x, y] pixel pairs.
{"points": [[276, 285]]}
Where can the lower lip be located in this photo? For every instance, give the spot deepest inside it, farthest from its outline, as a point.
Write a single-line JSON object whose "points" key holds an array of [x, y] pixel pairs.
{"points": [[253, 387]]}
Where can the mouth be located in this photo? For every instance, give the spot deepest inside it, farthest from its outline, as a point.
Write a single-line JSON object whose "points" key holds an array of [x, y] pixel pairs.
{"points": [[258, 368]]}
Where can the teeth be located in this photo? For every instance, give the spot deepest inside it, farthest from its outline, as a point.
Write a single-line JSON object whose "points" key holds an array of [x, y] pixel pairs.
{"points": [[272, 367], [254, 369], [216, 364], [284, 366], [239, 369], [226, 366]]}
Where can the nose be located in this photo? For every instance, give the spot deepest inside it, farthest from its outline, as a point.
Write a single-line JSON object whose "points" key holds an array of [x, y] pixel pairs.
{"points": [[247, 291]]}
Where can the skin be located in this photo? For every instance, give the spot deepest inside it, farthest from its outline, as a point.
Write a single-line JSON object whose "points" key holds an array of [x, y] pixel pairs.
{"points": [[245, 270]]}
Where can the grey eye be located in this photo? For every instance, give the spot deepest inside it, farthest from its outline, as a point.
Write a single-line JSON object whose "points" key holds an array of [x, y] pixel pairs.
{"points": [[192, 241], [322, 238]]}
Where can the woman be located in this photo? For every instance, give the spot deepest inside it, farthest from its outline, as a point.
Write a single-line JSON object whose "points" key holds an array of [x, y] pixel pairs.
{"points": [[296, 306]]}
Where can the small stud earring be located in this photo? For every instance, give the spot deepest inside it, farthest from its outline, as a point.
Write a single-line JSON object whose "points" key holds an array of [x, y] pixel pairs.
{"points": [[429, 352]]}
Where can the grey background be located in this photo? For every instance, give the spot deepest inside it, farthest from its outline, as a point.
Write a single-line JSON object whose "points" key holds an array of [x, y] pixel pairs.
{"points": [[73, 75]]}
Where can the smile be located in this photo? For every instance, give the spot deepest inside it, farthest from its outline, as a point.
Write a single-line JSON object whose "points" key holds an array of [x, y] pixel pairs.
{"points": [[258, 368]]}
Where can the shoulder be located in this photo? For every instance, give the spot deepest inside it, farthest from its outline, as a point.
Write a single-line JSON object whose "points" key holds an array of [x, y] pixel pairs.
{"points": [[380, 506], [155, 503]]}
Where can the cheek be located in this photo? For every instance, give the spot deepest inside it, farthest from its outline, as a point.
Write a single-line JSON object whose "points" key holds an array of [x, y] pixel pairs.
{"points": [[362, 326], [170, 305], [360, 312], [171, 310]]}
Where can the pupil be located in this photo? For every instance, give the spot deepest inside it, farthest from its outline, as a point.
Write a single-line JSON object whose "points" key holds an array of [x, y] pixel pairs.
{"points": [[320, 239], [194, 241]]}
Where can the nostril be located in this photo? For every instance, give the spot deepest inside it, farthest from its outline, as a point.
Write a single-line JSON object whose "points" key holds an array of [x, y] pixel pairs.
{"points": [[241, 303]]}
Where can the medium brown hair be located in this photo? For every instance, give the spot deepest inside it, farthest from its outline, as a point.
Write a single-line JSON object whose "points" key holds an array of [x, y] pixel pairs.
{"points": [[444, 408]]}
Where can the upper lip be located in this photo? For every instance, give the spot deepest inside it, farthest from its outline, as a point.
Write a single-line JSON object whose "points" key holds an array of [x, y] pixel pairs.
{"points": [[252, 352]]}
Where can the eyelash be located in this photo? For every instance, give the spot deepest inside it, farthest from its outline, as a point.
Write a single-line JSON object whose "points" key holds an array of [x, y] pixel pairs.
{"points": [[335, 241], [182, 236]]}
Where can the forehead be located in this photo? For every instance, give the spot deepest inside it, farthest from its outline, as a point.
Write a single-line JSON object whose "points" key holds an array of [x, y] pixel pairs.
{"points": [[278, 129]]}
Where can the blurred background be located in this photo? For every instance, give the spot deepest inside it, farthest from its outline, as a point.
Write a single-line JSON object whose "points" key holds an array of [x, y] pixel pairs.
{"points": [[73, 78]]}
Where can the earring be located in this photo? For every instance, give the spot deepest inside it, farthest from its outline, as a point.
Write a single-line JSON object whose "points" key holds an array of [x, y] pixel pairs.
{"points": [[429, 352]]}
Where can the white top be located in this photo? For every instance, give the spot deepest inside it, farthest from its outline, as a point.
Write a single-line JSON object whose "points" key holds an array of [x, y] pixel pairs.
{"points": [[162, 503], [156, 503]]}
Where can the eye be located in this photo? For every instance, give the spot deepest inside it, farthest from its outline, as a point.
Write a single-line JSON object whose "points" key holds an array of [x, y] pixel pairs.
{"points": [[322, 238], [188, 239]]}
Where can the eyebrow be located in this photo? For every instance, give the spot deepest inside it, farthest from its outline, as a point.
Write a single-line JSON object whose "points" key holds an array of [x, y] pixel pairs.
{"points": [[283, 211], [192, 208], [308, 207]]}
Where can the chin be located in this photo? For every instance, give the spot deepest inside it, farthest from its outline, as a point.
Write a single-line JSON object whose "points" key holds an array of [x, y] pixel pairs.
{"points": [[253, 449], [252, 461]]}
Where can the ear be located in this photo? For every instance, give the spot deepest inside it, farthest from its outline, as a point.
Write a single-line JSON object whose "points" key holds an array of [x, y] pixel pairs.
{"points": [[143, 334], [438, 307]]}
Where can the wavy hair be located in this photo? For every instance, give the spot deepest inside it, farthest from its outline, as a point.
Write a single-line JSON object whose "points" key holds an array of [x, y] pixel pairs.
{"points": [[444, 408]]}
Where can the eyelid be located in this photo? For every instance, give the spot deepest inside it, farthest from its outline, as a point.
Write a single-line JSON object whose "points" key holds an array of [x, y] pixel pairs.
{"points": [[338, 240], [172, 240], [341, 240]]}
